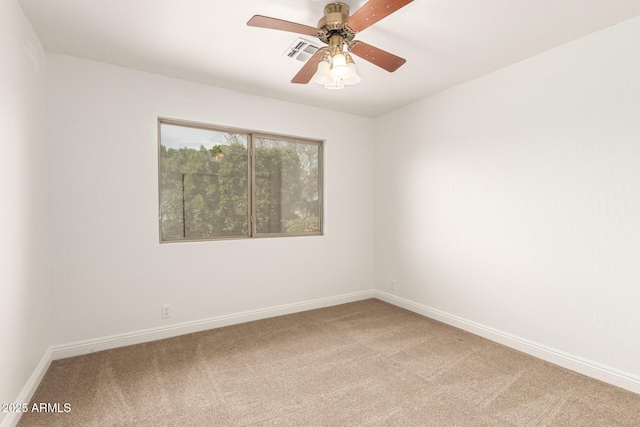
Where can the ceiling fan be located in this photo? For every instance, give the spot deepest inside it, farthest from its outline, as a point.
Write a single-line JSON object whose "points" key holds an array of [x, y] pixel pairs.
{"points": [[338, 29]]}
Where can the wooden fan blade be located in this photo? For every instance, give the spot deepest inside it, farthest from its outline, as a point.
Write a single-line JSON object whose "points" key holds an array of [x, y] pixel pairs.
{"points": [[376, 56], [308, 70], [279, 24], [373, 11]]}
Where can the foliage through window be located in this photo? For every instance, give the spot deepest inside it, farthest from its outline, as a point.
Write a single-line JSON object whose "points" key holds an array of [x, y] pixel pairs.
{"points": [[219, 183]]}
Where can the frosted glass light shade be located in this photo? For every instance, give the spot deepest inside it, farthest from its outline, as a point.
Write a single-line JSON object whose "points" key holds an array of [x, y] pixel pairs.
{"points": [[353, 77], [322, 75], [334, 85], [339, 68]]}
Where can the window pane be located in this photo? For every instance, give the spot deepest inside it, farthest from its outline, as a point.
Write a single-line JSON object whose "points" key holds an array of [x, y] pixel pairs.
{"points": [[287, 187], [203, 183]]}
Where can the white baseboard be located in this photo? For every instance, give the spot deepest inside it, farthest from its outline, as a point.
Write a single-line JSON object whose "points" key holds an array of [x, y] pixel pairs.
{"points": [[121, 340], [29, 388], [586, 367]]}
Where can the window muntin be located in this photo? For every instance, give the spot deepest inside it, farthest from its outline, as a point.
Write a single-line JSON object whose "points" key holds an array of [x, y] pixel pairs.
{"points": [[218, 183]]}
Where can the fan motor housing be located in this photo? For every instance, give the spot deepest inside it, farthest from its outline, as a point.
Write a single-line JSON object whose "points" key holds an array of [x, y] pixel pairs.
{"points": [[334, 22]]}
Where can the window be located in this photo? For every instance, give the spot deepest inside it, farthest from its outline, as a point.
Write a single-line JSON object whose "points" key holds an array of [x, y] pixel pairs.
{"points": [[218, 183]]}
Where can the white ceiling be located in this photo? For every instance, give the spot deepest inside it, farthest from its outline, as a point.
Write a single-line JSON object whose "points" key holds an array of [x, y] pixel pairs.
{"points": [[445, 42]]}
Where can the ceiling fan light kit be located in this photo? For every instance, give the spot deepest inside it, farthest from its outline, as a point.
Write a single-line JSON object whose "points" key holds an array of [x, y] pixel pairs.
{"points": [[339, 73], [333, 65]]}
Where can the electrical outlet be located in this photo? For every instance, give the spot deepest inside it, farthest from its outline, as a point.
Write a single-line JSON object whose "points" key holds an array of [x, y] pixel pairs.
{"points": [[167, 311], [392, 285]]}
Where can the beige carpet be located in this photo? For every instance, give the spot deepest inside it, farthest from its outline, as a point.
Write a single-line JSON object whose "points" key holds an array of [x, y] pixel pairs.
{"points": [[362, 364]]}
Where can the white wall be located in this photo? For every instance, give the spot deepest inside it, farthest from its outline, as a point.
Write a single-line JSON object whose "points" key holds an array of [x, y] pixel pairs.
{"points": [[24, 251], [513, 201], [109, 272]]}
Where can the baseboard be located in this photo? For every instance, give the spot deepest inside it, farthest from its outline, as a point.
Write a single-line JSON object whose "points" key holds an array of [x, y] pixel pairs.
{"points": [[137, 337], [586, 367], [29, 388]]}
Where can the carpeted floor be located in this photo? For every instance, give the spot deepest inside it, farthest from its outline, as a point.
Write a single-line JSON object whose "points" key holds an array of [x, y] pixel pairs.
{"points": [[361, 364]]}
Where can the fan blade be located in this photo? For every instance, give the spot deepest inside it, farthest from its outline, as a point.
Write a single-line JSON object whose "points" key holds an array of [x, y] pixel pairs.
{"points": [[279, 24], [373, 11], [309, 69], [376, 56]]}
